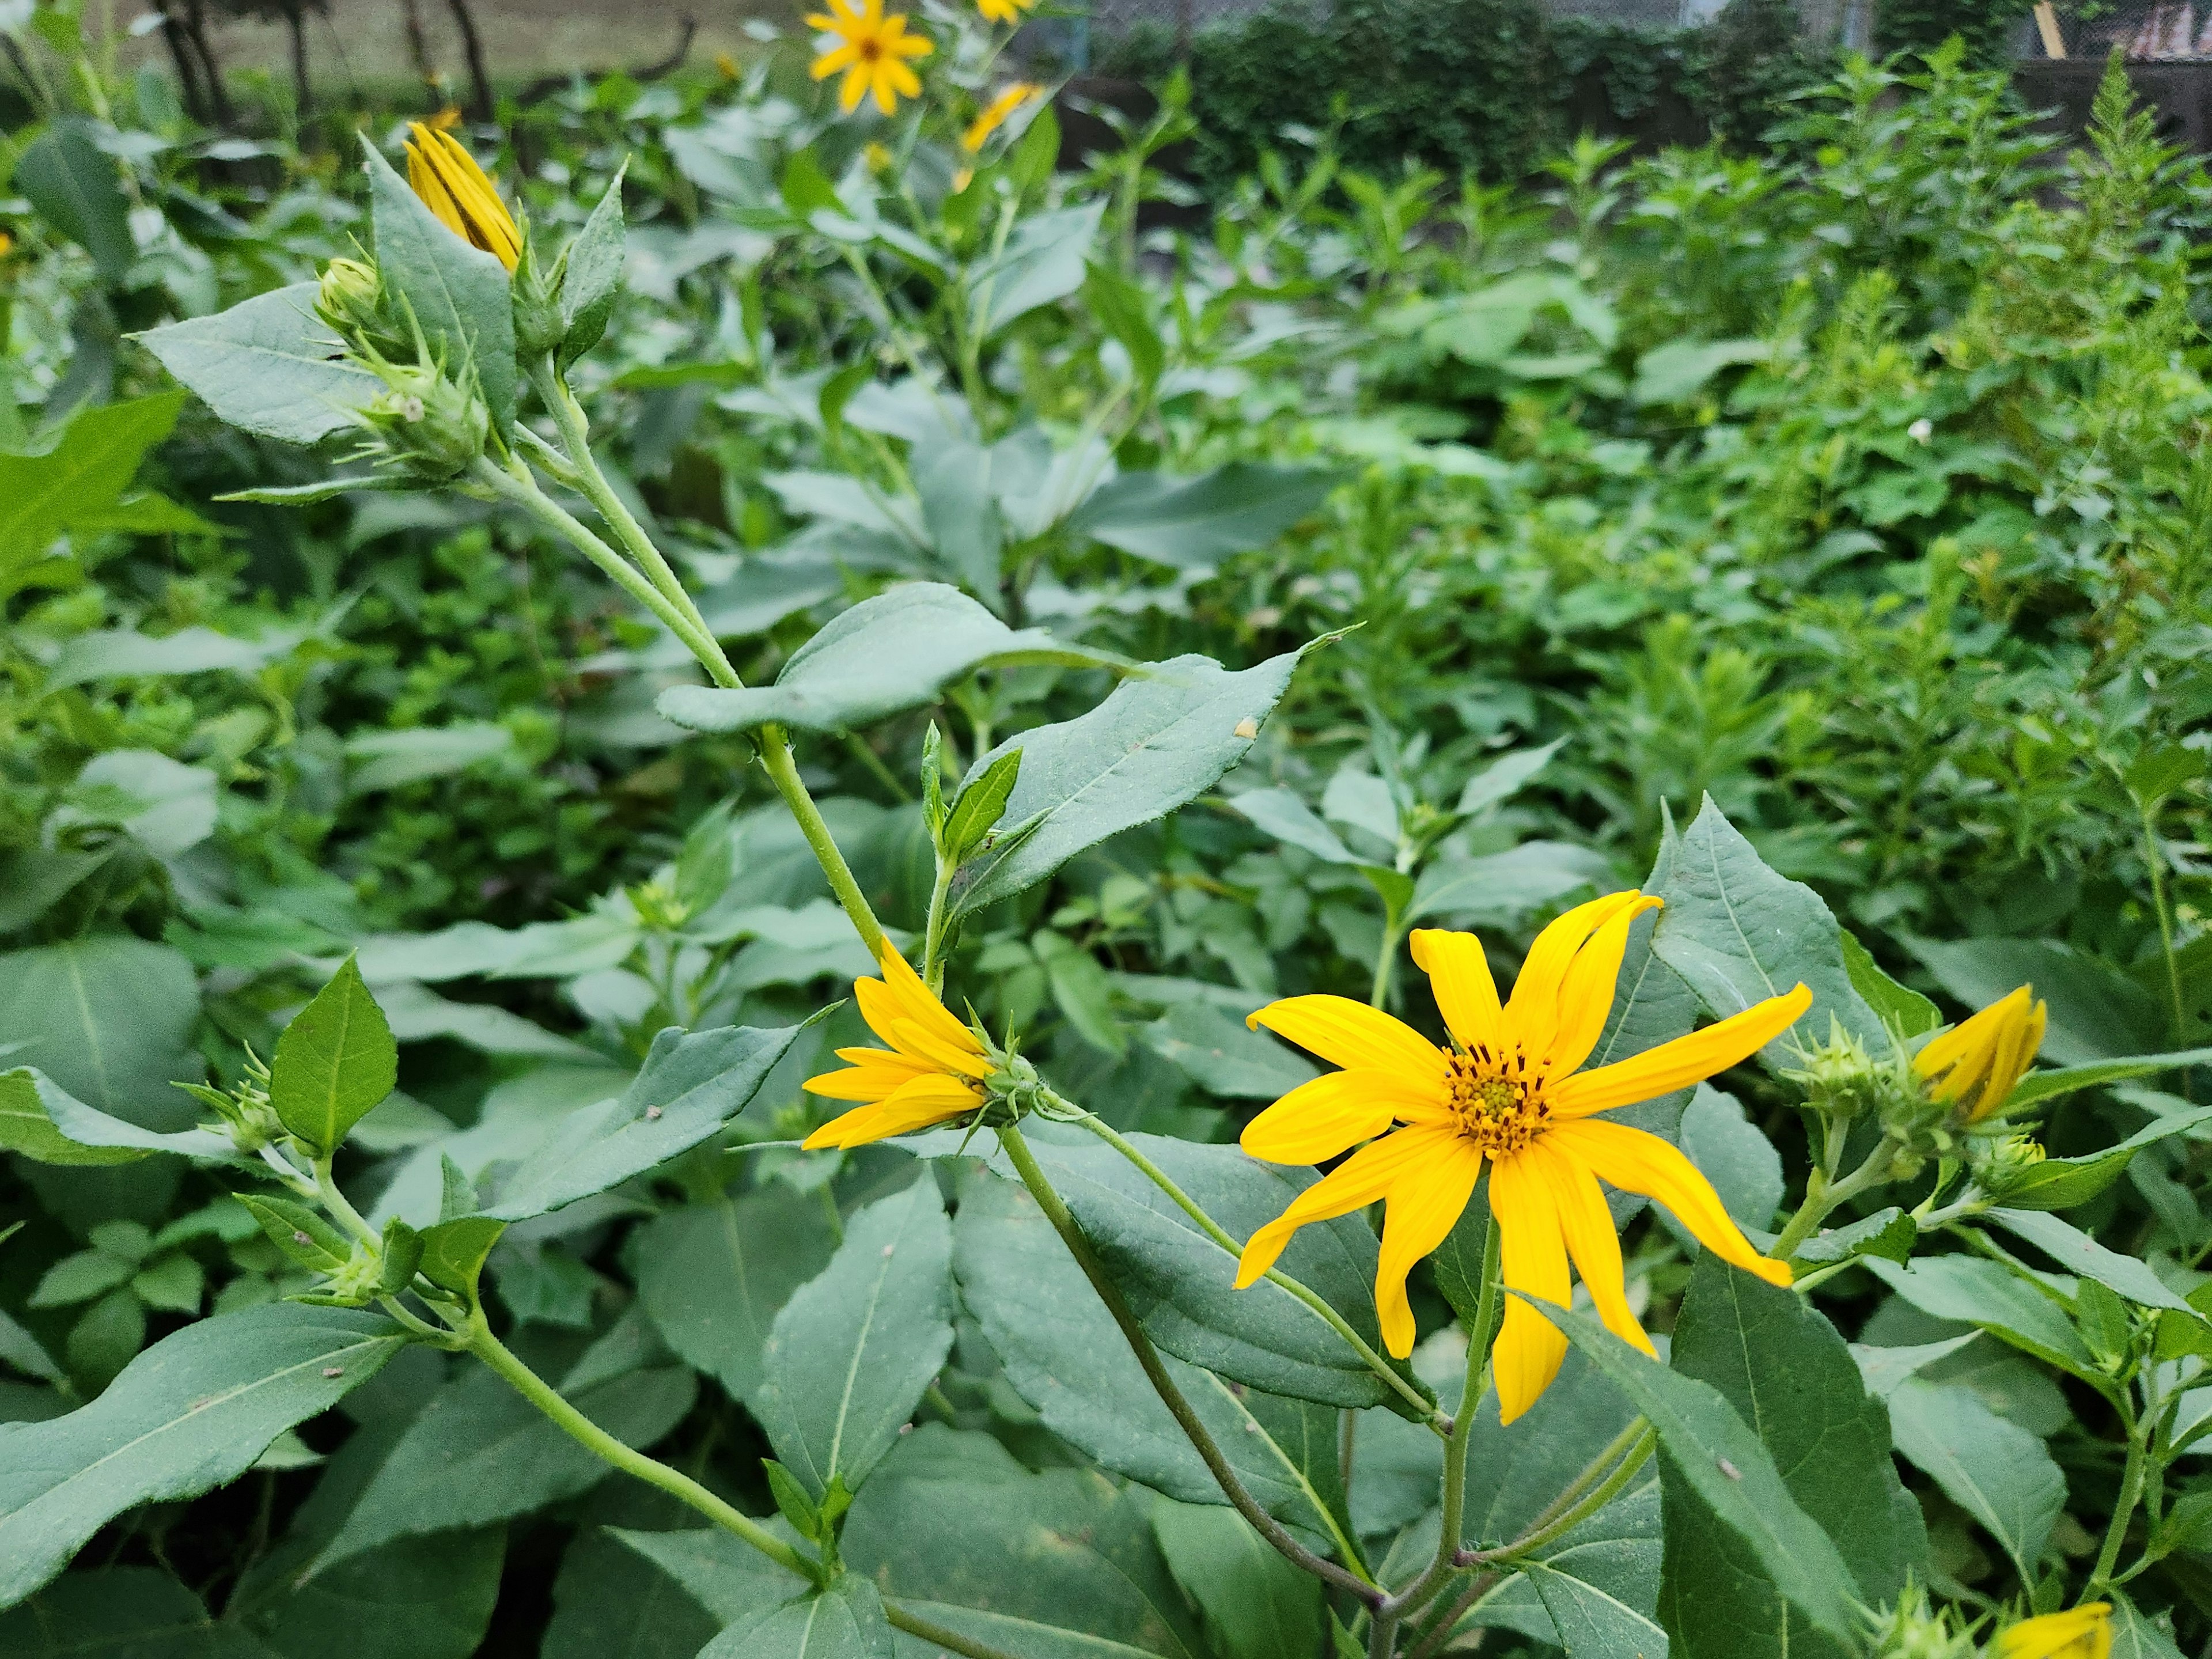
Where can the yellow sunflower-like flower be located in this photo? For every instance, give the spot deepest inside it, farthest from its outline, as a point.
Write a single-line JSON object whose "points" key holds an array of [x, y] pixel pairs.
{"points": [[1509, 1091], [934, 1069], [2082, 1632], [462, 195], [981, 129], [1978, 1061], [871, 49], [1003, 11]]}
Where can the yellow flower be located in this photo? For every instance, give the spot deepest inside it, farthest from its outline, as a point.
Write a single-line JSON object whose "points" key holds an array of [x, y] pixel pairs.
{"points": [[932, 1070], [725, 66], [1981, 1060], [991, 119], [2082, 1632], [447, 118], [878, 157], [1509, 1090], [873, 54], [453, 186], [1003, 11]]}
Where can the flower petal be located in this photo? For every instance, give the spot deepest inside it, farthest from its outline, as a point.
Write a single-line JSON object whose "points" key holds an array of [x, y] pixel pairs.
{"points": [[1586, 993], [1318, 1120], [1687, 1060], [1459, 975], [921, 1043], [855, 87], [852, 1129], [1532, 1011], [915, 1105], [1587, 1225], [873, 1075], [1359, 1181], [918, 1003], [1642, 1162], [1353, 1036], [2082, 1632], [1425, 1203], [1535, 1258], [830, 62]]}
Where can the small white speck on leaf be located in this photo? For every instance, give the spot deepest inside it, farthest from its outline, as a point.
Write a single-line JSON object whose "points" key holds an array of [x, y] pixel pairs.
{"points": [[653, 1114], [1248, 727], [1730, 1470], [333, 1371], [299, 1238]]}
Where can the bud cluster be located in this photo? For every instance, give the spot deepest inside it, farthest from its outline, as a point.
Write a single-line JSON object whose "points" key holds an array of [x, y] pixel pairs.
{"points": [[425, 420], [244, 1112]]}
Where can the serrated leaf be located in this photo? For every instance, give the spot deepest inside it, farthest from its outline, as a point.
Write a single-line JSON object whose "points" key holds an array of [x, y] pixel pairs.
{"points": [[1195, 523], [193, 1412], [45, 1123], [591, 277], [268, 366], [980, 805], [2075, 1252], [334, 1062], [1994, 1469], [1155, 744], [454, 1252], [1991, 1295], [845, 1621], [849, 1356], [298, 1232]]}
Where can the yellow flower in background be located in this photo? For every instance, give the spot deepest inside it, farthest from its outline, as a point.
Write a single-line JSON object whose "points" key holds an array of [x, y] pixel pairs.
{"points": [[462, 195], [1003, 11], [981, 129], [878, 157], [1979, 1061], [2082, 1632], [725, 66], [1509, 1090], [445, 120], [872, 52], [934, 1069]]}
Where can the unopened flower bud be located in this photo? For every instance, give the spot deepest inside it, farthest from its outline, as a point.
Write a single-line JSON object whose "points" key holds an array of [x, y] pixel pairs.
{"points": [[2000, 1164], [351, 299], [427, 422], [539, 327]]}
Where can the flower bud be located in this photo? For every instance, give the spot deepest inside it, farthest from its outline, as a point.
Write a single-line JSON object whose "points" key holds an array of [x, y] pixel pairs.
{"points": [[2000, 1164], [350, 299], [1913, 1629], [539, 327], [427, 422]]}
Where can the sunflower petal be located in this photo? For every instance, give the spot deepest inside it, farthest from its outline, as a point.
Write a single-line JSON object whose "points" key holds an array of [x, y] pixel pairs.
{"points": [[1586, 993], [1641, 1162], [913, 1040], [1359, 1181], [918, 1003], [831, 61], [913, 1105], [1318, 1120], [873, 1079], [1459, 975], [1687, 1060], [852, 1129], [1425, 1203], [1532, 1012], [1535, 1258], [1353, 1036], [1587, 1225]]}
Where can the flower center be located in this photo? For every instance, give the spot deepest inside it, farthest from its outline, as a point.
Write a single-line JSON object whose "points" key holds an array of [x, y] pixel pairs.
{"points": [[872, 48], [1499, 1107]]}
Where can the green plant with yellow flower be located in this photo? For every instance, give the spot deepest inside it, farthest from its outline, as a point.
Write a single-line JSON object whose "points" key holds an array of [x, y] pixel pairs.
{"points": [[1497, 1327]]}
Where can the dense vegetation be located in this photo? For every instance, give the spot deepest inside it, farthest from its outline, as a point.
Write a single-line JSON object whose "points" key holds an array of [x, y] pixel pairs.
{"points": [[1822, 529]]}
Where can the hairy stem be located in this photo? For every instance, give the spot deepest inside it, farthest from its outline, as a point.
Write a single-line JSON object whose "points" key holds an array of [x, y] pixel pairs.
{"points": [[783, 772], [1824, 1196], [2132, 1485], [1056, 1212]]}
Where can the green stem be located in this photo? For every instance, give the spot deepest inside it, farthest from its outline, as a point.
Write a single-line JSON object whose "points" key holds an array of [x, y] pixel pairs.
{"points": [[1542, 1533], [2155, 858], [326, 1189], [541, 1393], [1386, 960], [1824, 1196], [933, 937], [952, 1641], [783, 772], [1213, 1229], [2131, 1484], [1110, 1293]]}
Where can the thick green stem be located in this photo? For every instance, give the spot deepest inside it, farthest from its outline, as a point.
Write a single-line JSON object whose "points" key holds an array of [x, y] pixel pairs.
{"points": [[1064, 1224], [1544, 1531], [933, 937], [952, 1641], [783, 772], [543, 1395], [1213, 1229], [1824, 1196], [2132, 1485], [327, 1190]]}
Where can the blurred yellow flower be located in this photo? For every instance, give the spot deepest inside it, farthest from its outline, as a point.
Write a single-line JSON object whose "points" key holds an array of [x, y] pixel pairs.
{"points": [[933, 1071], [878, 157], [725, 65], [872, 52], [462, 195], [2082, 1632], [1508, 1090], [1003, 11], [1979, 1060], [981, 129]]}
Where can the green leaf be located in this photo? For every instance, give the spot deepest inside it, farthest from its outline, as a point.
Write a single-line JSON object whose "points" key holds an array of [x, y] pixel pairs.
{"points": [[1503, 886], [391, 760], [1740, 933], [334, 1062], [713, 1276], [2135, 1637], [2075, 1252], [1994, 1469], [1673, 372], [2061, 1183], [2097, 1012], [479, 1453], [80, 1278], [895, 651], [845, 1621], [1993, 1295], [82, 475], [691, 1085], [612, 1602], [268, 366], [953, 482], [850, 1354], [1155, 744], [1195, 523], [1911, 1014], [979, 806], [416, 1598], [1063, 1355], [460, 296], [1043, 261], [298, 1231], [1178, 1280], [591, 272], [1119, 306], [1732, 1153], [957, 1531], [108, 1019], [2049, 1084], [72, 182], [1889, 1233], [1223, 1056], [120, 1612], [1255, 1604], [26, 1124], [454, 1251], [323, 490], [1285, 815], [1718, 1477], [723, 1574], [1787, 1373], [1599, 1582], [1504, 777], [191, 1412]]}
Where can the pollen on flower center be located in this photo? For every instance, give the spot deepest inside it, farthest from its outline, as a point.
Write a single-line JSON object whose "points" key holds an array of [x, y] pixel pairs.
{"points": [[1499, 1107]]}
